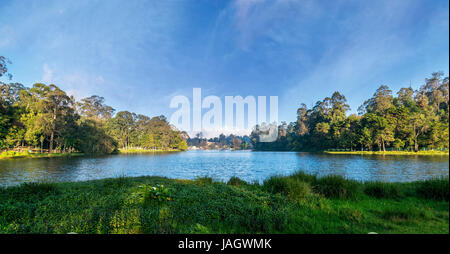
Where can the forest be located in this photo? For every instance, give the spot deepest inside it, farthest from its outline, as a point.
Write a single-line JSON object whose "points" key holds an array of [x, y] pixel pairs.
{"points": [[46, 119], [222, 142], [412, 120]]}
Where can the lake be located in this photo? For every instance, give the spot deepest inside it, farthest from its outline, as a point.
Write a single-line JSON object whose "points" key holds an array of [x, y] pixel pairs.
{"points": [[221, 165]]}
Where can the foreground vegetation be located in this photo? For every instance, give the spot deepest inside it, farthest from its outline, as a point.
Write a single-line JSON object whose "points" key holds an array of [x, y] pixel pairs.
{"points": [[17, 155], [296, 204]]}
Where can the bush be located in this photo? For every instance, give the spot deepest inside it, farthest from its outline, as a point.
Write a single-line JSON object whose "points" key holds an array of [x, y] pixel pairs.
{"points": [[276, 184], [382, 190], [236, 181], [288, 186], [334, 186], [437, 189], [145, 193], [14, 154], [304, 177], [297, 189]]}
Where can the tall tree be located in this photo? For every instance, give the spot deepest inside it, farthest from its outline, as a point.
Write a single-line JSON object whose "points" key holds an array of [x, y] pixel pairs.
{"points": [[94, 107], [4, 67]]}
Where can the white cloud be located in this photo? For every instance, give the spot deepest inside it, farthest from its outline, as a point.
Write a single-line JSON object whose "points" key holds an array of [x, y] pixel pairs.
{"points": [[47, 77], [79, 84], [263, 18], [356, 65], [6, 37]]}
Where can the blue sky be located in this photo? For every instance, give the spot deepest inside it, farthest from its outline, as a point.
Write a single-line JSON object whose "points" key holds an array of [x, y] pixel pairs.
{"points": [[139, 54]]}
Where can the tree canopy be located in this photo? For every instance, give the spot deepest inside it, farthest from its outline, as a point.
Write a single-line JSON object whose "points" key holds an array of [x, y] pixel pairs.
{"points": [[412, 120], [45, 117]]}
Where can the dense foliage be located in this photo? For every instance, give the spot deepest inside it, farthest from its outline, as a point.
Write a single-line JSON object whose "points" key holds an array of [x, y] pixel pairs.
{"points": [[222, 142], [44, 117], [413, 120]]}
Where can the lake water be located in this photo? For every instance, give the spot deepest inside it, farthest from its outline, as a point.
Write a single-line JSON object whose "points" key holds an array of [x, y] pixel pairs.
{"points": [[221, 165]]}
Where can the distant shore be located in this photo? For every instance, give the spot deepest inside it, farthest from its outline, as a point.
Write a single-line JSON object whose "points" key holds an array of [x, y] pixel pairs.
{"points": [[136, 150], [28, 155], [389, 152]]}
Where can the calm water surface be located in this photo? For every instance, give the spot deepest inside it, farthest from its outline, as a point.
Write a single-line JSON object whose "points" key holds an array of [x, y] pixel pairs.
{"points": [[221, 165]]}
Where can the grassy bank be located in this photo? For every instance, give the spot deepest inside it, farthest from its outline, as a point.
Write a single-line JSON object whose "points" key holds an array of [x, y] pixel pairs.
{"points": [[17, 155], [137, 150], [26, 154], [389, 152], [295, 204]]}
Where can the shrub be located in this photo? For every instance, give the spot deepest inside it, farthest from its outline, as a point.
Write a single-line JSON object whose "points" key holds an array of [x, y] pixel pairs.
{"points": [[204, 180], [147, 193], [14, 154], [334, 186], [236, 181], [382, 190], [304, 177], [288, 186], [276, 184], [437, 189], [297, 189]]}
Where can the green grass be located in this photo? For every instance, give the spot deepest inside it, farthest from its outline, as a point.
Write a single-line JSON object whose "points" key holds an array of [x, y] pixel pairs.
{"points": [[382, 190], [26, 154], [434, 189], [299, 203], [445, 153]]}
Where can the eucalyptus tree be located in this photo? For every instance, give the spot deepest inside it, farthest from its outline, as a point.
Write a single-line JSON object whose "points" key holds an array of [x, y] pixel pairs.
{"points": [[94, 107], [4, 67], [302, 125], [413, 119], [10, 127], [121, 127]]}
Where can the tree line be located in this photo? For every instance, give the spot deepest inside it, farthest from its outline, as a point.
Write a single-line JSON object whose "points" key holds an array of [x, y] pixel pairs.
{"points": [[221, 142], [411, 120], [46, 118]]}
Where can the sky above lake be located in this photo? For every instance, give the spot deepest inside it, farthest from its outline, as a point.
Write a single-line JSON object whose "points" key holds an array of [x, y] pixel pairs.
{"points": [[139, 54]]}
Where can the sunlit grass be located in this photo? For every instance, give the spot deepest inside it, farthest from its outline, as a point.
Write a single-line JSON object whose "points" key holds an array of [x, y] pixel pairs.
{"points": [[389, 152], [26, 154]]}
